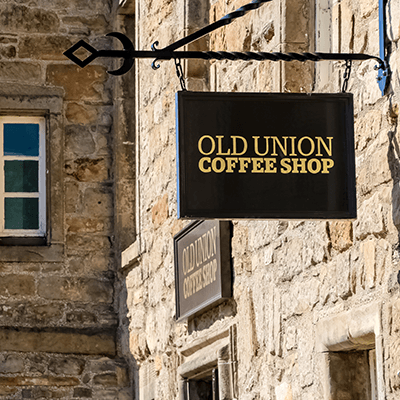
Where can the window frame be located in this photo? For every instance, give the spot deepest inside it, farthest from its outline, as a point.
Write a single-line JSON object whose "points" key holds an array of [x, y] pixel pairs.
{"points": [[41, 194], [47, 102]]}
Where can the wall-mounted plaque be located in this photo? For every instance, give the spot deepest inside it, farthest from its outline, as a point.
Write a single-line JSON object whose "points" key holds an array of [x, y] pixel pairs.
{"points": [[202, 266], [265, 155]]}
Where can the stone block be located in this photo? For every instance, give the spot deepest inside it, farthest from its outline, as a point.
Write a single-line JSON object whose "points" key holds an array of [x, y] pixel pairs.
{"points": [[84, 244], [94, 263], [78, 113], [17, 285], [80, 318], [341, 234], [11, 364], [98, 202], [159, 212], [96, 24], [88, 225], [393, 20], [369, 250], [283, 392], [49, 47], [8, 52], [86, 83], [296, 21], [67, 366], [20, 18], [102, 365], [291, 337], [21, 313], [343, 275], [38, 381], [89, 170], [50, 253], [79, 140], [48, 341], [72, 197], [4, 391], [348, 22], [46, 313], [15, 71], [106, 394], [370, 220], [81, 6], [109, 379], [8, 39], [75, 289], [82, 392]]}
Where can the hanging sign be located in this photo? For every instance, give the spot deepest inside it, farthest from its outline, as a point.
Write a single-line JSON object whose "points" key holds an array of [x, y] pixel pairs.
{"points": [[265, 155], [202, 266]]}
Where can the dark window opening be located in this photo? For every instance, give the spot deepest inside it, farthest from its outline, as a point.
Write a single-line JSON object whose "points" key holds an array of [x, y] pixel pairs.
{"points": [[204, 387], [353, 375]]}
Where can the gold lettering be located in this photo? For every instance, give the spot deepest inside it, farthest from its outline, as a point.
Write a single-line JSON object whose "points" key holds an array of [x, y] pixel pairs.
{"points": [[200, 145], [270, 165], [201, 164], [299, 162], [328, 148], [293, 138], [220, 153], [317, 168], [231, 163], [300, 143], [286, 167], [244, 163], [256, 145], [257, 165], [222, 165], [244, 141], [327, 163], [275, 141]]}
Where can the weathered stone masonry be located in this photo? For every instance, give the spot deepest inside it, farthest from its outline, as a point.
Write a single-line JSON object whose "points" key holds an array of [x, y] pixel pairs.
{"points": [[58, 319], [313, 302]]}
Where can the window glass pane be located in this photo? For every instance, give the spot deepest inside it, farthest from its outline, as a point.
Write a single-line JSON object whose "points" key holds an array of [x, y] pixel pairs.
{"points": [[21, 139], [21, 176], [21, 213]]}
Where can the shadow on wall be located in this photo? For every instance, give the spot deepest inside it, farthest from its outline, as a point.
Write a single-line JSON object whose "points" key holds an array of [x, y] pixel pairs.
{"points": [[393, 157], [394, 165], [123, 334]]}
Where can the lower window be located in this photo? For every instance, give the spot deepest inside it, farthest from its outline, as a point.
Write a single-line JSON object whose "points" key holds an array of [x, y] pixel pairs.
{"points": [[22, 177], [204, 387]]}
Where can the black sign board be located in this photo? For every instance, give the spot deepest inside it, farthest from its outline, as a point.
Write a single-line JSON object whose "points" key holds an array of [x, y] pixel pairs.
{"points": [[202, 266], [265, 155]]}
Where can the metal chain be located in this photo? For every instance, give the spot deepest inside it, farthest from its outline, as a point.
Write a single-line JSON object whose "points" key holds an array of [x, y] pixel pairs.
{"points": [[179, 73], [346, 76]]}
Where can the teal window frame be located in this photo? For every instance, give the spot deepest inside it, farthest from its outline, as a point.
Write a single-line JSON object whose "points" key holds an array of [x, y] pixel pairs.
{"points": [[15, 166]]}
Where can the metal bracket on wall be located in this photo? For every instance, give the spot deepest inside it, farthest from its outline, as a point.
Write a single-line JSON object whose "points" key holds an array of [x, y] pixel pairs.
{"points": [[129, 54], [383, 73]]}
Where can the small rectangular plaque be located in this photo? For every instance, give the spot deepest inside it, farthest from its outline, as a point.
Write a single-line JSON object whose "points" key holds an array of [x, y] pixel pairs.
{"points": [[202, 266]]}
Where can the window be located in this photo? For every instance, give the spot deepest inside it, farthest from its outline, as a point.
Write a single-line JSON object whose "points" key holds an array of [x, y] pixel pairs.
{"points": [[352, 362], [204, 387], [22, 177], [353, 375]]}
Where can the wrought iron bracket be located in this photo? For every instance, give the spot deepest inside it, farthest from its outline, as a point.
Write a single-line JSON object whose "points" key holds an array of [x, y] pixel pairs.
{"points": [[129, 54], [383, 73]]}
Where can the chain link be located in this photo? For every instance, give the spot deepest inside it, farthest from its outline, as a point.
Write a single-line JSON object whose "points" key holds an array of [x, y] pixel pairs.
{"points": [[346, 76], [179, 73]]}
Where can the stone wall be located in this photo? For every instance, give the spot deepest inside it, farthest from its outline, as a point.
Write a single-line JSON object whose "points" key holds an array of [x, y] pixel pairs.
{"points": [[290, 278], [58, 320]]}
